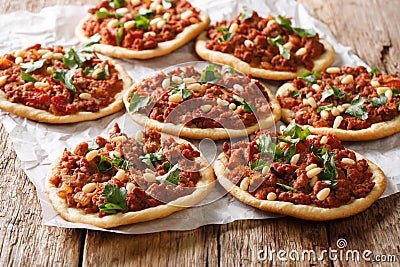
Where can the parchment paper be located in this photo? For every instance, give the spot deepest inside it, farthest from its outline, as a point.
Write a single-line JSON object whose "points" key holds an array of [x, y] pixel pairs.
{"points": [[37, 144]]}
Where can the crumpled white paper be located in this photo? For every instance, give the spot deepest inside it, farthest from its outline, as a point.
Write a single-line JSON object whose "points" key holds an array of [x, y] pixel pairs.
{"points": [[37, 144]]}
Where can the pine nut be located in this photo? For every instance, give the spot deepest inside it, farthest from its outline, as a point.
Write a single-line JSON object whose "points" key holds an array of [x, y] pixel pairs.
{"points": [[244, 184], [139, 136], [323, 194], [153, 6], [149, 177], [316, 87], [312, 102], [89, 188], [313, 181], [238, 87], [103, 9], [114, 153], [389, 94], [3, 80], [85, 96], [305, 102], [382, 90], [41, 85], [112, 23], [50, 70], [265, 170], [96, 73], [155, 21], [340, 108], [186, 14], [48, 55], [43, 51], [337, 122], [324, 140], [58, 56], [120, 139], [194, 87], [270, 22], [91, 155], [346, 106], [222, 102], [311, 166], [314, 172], [324, 114], [233, 28], [122, 11], [165, 83], [295, 159], [166, 16], [271, 196], [176, 79], [176, 98], [375, 83], [19, 53], [189, 80], [129, 187], [120, 175], [232, 106], [135, 2], [335, 111], [248, 43], [129, 24], [288, 45], [238, 98], [348, 161], [18, 60], [206, 108], [333, 70], [302, 51], [147, 34], [161, 24], [347, 79]]}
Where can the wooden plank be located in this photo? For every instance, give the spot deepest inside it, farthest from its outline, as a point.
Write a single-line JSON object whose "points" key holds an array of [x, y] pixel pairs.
{"points": [[191, 248], [24, 241]]}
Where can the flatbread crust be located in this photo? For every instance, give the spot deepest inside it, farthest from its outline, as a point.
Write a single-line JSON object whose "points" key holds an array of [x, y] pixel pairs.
{"points": [[212, 133], [306, 212], [376, 131], [163, 48], [203, 188], [321, 63], [48, 117]]}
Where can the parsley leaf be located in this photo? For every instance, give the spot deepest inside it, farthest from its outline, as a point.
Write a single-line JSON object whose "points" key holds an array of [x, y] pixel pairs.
{"points": [[171, 177], [286, 23], [245, 15], [378, 101], [125, 164], [295, 93], [115, 197], [357, 109], [27, 78], [278, 41], [395, 92], [152, 157], [167, 3], [32, 66], [209, 75], [119, 35], [101, 14], [286, 187], [334, 91], [75, 57], [146, 12], [259, 164], [330, 172], [104, 165], [138, 102], [309, 77], [66, 78], [266, 147], [247, 108], [142, 22], [105, 72], [117, 3], [321, 108], [295, 131], [305, 32], [227, 36], [88, 71], [373, 72], [181, 89]]}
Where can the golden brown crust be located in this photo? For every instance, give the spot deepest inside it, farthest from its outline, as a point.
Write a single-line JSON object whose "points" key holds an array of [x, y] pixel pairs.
{"points": [[306, 212], [214, 133], [163, 48], [203, 188], [322, 62], [376, 131], [45, 116]]}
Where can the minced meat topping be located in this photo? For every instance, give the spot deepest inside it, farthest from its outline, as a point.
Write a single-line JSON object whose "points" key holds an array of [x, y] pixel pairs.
{"points": [[269, 43], [344, 98], [60, 82], [140, 25], [299, 168], [214, 98], [122, 174]]}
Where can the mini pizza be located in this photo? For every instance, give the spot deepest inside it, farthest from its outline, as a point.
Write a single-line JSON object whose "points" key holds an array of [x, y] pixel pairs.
{"points": [[351, 103], [312, 177], [269, 48], [124, 180], [49, 84], [215, 102], [142, 29]]}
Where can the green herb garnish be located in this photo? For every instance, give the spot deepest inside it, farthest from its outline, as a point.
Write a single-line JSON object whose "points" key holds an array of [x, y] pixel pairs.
{"points": [[104, 165], [321, 108], [330, 172], [181, 89], [138, 102], [103, 14], [102, 74], [172, 177], [295, 131], [286, 187], [115, 197], [118, 37], [27, 78], [378, 101], [373, 72], [75, 57], [395, 92], [117, 3], [66, 78], [259, 164], [310, 77], [357, 109], [295, 93], [245, 14], [334, 91], [125, 164], [142, 22], [278, 41], [32, 66], [209, 75], [286, 23], [152, 157]]}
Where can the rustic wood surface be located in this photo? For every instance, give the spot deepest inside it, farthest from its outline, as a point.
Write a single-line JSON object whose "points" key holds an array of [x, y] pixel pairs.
{"points": [[371, 28]]}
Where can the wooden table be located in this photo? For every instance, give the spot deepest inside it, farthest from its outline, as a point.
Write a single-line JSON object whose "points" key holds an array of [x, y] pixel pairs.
{"points": [[371, 28]]}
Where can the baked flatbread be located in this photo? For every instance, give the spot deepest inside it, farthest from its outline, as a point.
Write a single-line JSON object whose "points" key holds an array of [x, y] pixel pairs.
{"points": [[344, 195], [215, 103], [351, 103], [162, 35], [152, 186], [268, 54], [35, 85]]}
